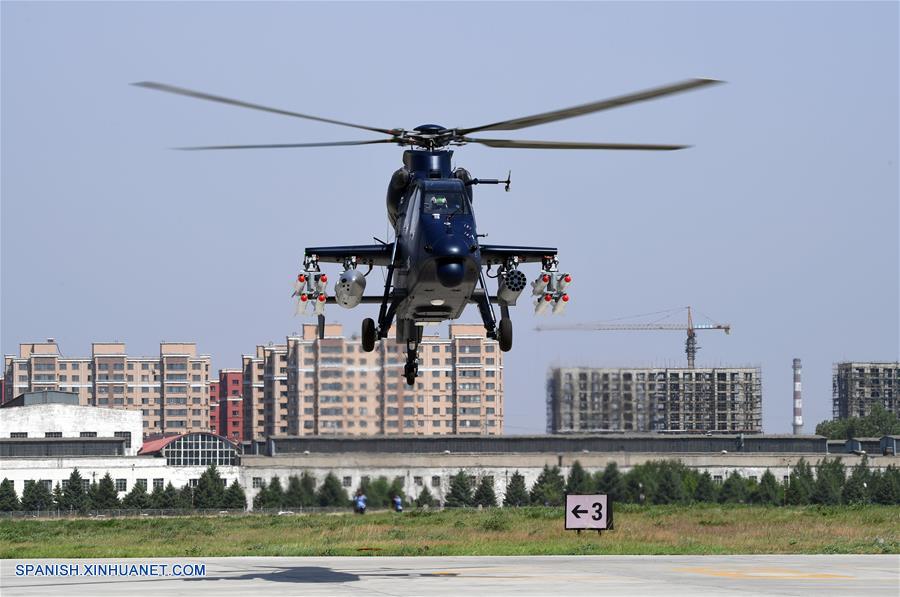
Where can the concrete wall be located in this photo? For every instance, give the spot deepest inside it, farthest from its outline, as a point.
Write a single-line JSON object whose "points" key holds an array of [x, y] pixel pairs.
{"points": [[39, 419]]}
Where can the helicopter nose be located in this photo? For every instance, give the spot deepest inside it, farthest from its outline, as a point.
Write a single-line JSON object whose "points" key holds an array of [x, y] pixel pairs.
{"points": [[450, 272]]}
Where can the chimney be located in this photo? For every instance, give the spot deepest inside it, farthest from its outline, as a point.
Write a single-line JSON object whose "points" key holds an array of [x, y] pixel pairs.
{"points": [[798, 398]]}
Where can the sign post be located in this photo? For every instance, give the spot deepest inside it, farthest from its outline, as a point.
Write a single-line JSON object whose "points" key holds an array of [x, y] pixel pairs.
{"points": [[592, 512]]}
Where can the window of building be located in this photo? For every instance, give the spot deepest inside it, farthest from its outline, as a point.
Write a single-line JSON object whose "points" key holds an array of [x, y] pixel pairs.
{"points": [[87, 434], [158, 483], [717, 479], [18, 434], [126, 435], [121, 485], [53, 434], [347, 481], [435, 481]]}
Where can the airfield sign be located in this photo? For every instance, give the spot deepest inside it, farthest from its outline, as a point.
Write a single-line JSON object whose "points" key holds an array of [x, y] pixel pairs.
{"points": [[592, 512]]}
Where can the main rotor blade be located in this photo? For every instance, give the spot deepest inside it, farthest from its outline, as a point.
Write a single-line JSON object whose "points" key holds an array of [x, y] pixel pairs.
{"points": [[242, 104], [615, 102], [287, 145], [516, 143]]}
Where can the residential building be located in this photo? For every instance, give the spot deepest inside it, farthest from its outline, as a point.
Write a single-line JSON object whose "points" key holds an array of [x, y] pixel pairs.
{"points": [[171, 390], [857, 386], [309, 386], [724, 399]]}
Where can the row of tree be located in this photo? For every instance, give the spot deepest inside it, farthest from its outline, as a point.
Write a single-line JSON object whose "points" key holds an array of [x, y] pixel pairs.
{"points": [[654, 482], [879, 422], [209, 493], [671, 482]]}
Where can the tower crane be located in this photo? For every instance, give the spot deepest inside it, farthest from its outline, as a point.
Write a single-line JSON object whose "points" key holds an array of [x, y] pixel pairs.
{"points": [[690, 345]]}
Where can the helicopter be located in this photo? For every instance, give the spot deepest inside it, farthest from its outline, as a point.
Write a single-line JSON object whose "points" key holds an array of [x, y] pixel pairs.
{"points": [[437, 264]]}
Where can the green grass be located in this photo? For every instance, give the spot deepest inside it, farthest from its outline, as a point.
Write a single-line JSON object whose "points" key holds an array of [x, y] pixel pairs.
{"points": [[702, 529]]}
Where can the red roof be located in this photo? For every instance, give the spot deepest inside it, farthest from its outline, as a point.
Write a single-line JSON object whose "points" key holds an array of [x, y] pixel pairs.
{"points": [[154, 446]]}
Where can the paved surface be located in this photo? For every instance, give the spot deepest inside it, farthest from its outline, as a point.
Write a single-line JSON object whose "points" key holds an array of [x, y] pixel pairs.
{"points": [[551, 575]]}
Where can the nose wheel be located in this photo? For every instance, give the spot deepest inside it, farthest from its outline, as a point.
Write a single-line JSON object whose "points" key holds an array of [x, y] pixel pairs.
{"points": [[505, 334], [369, 334]]}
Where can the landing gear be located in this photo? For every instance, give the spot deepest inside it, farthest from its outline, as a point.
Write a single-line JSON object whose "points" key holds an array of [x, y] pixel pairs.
{"points": [[505, 334], [410, 371], [369, 334]]}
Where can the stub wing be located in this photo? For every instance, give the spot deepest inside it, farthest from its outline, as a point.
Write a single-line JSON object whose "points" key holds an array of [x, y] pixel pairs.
{"points": [[498, 254], [365, 254]]}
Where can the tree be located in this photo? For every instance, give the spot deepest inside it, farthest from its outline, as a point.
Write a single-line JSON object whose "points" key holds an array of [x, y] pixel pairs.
{"points": [[734, 489], [886, 487], [294, 494], [549, 488], [579, 481], [516, 493], [105, 496], [234, 497], [484, 494], [332, 493], [877, 423], [706, 490], [260, 500], [829, 483], [137, 498], [670, 489], [9, 501], [610, 482], [425, 498], [274, 494], [75, 498], [157, 498], [767, 491], [377, 492], [308, 485], [800, 484], [170, 498], [640, 483], [36, 497], [396, 488], [210, 491], [59, 498], [460, 493], [184, 499], [856, 488]]}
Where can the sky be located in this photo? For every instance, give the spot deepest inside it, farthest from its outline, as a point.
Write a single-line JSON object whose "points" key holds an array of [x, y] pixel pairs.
{"points": [[781, 219]]}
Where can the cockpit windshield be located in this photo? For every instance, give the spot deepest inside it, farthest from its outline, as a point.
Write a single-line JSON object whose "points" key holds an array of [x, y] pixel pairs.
{"points": [[444, 202]]}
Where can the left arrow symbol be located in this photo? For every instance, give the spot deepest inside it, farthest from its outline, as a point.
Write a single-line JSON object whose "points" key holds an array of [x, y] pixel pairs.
{"points": [[577, 511]]}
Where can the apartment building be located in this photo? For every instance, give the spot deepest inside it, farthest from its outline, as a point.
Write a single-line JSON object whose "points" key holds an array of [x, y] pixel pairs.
{"points": [[309, 386], [171, 390], [857, 386], [583, 399]]}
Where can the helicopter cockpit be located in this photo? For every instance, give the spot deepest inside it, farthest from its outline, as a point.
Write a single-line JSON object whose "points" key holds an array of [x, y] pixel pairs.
{"points": [[440, 203]]}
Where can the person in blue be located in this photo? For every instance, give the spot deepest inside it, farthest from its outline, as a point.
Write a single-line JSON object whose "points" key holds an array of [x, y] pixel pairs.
{"points": [[398, 504], [359, 503]]}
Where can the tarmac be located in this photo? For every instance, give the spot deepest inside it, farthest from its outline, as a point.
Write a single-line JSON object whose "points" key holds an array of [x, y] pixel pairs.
{"points": [[693, 576]]}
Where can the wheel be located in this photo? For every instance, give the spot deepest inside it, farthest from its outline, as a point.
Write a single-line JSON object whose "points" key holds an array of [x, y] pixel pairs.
{"points": [[410, 371], [505, 335], [368, 334]]}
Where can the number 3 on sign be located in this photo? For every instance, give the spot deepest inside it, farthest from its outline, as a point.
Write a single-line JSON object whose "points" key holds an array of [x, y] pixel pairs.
{"points": [[598, 510]]}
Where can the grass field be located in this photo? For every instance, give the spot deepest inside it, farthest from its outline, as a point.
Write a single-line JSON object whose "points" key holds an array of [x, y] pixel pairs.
{"points": [[703, 529]]}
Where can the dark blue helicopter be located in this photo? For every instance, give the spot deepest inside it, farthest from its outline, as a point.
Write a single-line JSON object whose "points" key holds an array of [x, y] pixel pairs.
{"points": [[437, 265]]}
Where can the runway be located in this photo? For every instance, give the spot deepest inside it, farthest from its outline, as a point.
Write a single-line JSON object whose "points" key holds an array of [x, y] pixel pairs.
{"points": [[693, 576]]}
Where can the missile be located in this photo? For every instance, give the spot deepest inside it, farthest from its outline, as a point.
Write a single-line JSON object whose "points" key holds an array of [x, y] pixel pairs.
{"points": [[319, 308], [560, 305], [299, 284], [541, 303], [563, 280], [511, 285], [538, 286], [302, 303], [348, 291], [320, 282]]}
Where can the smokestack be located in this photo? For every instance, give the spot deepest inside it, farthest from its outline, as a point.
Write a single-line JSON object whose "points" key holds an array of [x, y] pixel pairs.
{"points": [[798, 398]]}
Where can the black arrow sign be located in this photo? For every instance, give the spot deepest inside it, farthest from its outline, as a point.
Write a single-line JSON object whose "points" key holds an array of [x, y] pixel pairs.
{"points": [[576, 511]]}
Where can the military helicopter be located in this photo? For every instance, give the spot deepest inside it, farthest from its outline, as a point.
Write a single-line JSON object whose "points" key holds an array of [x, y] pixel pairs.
{"points": [[437, 264]]}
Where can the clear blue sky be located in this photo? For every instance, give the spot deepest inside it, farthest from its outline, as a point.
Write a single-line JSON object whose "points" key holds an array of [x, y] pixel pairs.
{"points": [[782, 220]]}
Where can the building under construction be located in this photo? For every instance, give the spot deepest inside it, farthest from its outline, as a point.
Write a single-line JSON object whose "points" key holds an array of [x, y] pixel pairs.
{"points": [[858, 386], [587, 399]]}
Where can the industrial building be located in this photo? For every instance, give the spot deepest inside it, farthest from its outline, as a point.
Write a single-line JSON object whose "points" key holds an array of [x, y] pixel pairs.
{"points": [[858, 386], [312, 386], [586, 399], [170, 390]]}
